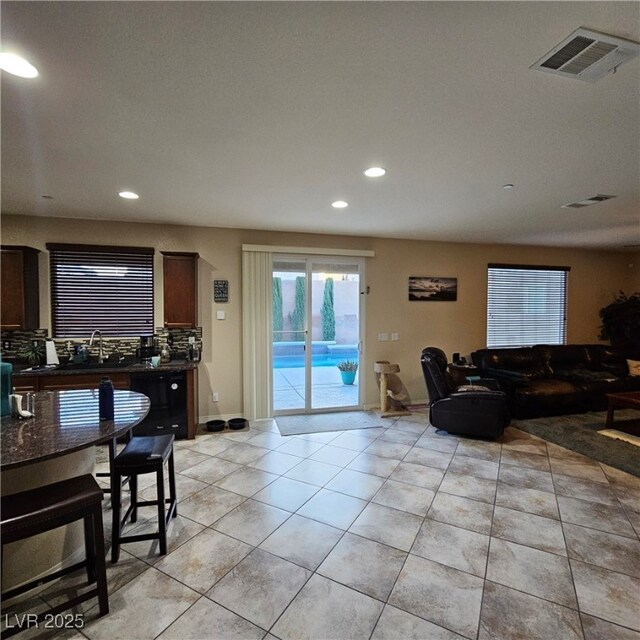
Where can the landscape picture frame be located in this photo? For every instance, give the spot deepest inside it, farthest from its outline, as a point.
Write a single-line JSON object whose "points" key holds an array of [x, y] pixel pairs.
{"points": [[433, 289]]}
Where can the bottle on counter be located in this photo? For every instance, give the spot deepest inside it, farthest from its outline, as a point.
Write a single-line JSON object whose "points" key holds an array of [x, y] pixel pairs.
{"points": [[105, 399], [165, 353], [5, 372]]}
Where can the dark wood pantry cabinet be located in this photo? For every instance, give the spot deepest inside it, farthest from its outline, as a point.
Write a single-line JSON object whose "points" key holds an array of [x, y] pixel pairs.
{"points": [[20, 306], [180, 271]]}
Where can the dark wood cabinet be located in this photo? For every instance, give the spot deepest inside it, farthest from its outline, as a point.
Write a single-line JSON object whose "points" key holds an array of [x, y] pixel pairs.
{"points": [[82, 381], [121, 380], [20, 288], [180, 271]]}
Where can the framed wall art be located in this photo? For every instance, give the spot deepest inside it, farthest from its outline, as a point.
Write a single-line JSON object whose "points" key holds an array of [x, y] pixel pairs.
{"points": [[431, 289]]}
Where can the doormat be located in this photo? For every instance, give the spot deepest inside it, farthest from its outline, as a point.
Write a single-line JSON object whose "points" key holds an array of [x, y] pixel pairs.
{"points": [[579, 432], [322, 422]]}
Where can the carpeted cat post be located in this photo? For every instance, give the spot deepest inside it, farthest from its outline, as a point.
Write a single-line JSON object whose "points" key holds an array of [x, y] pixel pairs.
{"points": [[392, 391]]}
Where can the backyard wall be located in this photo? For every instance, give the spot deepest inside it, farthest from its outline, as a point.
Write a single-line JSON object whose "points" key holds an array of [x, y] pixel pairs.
{"points": [[453, 326]]}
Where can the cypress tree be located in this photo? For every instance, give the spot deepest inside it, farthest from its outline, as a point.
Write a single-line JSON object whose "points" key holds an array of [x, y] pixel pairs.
{"points": [[298, 316], [327, 312], [278, 319]]}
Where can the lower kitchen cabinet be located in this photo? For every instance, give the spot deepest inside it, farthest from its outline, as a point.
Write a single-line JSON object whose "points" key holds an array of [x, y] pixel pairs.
{"points": [[25, 384], [82, 381], [120, 380]]}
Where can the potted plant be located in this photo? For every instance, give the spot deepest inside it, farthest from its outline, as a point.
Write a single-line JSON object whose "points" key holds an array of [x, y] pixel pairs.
{"points": [[33, 353], [348, 369], [621, 323]]}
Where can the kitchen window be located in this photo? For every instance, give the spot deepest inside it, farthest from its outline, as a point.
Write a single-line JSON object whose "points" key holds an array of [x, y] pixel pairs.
{"points": [[526, 305], [101, 287]]}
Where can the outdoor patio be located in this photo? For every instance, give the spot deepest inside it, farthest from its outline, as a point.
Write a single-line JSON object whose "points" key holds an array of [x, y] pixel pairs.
{"points": [[326, 388]]}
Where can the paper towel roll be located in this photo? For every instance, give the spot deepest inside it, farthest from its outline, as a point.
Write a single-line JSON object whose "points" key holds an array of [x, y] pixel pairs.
{"points": [[52, 356]]}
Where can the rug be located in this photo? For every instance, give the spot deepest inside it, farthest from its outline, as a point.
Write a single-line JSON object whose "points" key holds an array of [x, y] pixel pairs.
{"points": [[322, 422], [580, 434]]}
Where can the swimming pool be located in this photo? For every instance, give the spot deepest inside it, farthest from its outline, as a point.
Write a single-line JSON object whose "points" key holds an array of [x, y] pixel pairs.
{"points": [[318, 360]]}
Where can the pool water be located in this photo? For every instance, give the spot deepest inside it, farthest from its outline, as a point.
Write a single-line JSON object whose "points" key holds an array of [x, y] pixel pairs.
{"points": [[318, 360]]}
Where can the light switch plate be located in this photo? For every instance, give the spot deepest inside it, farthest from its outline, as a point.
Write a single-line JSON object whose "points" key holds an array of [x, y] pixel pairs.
{"points": [[221, 315], [395, 336], [383, 337]]}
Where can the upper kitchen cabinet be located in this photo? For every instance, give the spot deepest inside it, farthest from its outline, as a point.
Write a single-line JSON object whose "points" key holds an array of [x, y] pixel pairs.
{"points": [[20, 305], [180, 290]]}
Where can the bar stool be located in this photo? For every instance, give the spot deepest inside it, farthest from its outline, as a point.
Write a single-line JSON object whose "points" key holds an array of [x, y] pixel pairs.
{"points": [[143, 454], [35, 511]]}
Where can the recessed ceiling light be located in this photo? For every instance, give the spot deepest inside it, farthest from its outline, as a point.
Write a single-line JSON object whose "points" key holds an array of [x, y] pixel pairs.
{"points": [[507, 187], [12, 63], [339, 204], [129, 195], [375, 172]]}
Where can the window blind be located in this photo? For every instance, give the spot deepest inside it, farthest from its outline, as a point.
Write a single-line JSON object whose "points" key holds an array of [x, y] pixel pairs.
{"points": [[100, 287], [526, 305]]}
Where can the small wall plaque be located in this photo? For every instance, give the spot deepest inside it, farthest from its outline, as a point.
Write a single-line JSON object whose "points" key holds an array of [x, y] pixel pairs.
{"points": [[221, 291]]}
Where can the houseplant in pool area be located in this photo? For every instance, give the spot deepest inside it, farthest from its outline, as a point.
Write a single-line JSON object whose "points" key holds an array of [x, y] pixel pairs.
{"points": [[348, 369]]}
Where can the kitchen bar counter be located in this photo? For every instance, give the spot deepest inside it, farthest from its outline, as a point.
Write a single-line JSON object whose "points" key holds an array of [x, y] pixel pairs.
{"points": [[64, 422], [122, 375], [56, 444], [104, 368]]}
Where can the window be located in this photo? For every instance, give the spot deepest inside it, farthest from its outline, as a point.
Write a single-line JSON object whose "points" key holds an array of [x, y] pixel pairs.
{"points": [[96, 287], [526, 305]]}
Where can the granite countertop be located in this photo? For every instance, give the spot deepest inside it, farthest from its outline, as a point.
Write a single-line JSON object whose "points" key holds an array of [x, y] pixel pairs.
{"points": [[64, 422], [106, 367]]}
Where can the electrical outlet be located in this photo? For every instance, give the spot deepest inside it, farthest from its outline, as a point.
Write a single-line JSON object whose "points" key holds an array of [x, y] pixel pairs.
{"points": [[395, 337], [6, 345], [215, 397]]}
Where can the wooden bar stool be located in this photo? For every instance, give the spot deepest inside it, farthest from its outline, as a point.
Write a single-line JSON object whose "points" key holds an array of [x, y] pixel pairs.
{"points": [[32, 512], [143, 454]]}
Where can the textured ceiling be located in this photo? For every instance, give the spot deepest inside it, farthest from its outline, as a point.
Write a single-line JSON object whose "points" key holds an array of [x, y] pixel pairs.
{"points": [[259, 115]]}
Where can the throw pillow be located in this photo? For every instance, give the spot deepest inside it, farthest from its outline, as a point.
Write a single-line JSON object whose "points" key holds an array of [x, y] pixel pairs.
{"points": [[634, 367]]}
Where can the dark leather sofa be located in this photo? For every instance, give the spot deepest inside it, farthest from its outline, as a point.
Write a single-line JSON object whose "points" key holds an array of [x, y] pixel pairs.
{"points": [[547, 380]]}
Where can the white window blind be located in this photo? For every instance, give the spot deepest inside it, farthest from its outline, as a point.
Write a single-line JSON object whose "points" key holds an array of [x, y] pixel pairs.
{"points": [[526, 305], [100, 287]]}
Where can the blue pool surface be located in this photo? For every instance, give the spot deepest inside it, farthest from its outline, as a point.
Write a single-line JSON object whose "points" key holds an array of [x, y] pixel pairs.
{"points": [[318, 360]]}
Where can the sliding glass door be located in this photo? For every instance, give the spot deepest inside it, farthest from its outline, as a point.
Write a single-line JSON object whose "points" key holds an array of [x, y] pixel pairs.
{"points": [[316, 332]]}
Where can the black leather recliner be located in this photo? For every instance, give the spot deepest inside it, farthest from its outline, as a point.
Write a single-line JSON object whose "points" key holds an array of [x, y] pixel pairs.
{"points": [[473, 413]]}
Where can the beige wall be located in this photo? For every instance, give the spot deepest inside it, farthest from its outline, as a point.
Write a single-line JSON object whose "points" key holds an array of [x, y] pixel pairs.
{"points": [[453, 326]]}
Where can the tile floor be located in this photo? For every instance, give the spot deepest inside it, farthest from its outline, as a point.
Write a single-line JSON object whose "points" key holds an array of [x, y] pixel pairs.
{"points": [[393, 532]]}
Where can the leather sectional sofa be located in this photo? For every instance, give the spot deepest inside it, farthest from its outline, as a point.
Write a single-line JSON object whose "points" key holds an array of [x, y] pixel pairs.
{"points": [[547, 380]]}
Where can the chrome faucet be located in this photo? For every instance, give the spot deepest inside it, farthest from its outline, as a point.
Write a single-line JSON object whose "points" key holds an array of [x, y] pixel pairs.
{"points": [[101, 357]]}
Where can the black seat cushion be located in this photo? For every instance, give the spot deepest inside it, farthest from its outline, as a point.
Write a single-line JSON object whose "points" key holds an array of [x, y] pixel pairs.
{"points": [[32, 510], [145, 450]]}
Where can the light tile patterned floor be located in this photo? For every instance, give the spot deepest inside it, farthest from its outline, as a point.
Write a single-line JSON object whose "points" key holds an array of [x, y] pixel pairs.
{"points": [[408, 534]]}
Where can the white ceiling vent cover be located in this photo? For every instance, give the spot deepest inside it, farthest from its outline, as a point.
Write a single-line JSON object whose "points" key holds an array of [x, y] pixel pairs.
{"points": [[587, 55]]}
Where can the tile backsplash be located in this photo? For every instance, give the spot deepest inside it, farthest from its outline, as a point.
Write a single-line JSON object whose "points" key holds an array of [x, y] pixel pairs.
{"points": [[13, 342]]}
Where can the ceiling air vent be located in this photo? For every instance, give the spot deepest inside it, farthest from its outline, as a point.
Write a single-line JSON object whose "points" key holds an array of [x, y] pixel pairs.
{"points": [[587, 55], [585, 203]]}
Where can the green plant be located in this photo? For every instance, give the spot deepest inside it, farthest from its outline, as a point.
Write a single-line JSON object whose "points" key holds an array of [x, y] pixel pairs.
{"points": [[621, 319], [348, 365], [33, 353], [298, 317], [327, 312], [278, 319]]}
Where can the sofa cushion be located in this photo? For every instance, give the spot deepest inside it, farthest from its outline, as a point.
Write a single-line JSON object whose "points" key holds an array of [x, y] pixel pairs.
{"points": [[605, 358], [518, 364]]}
